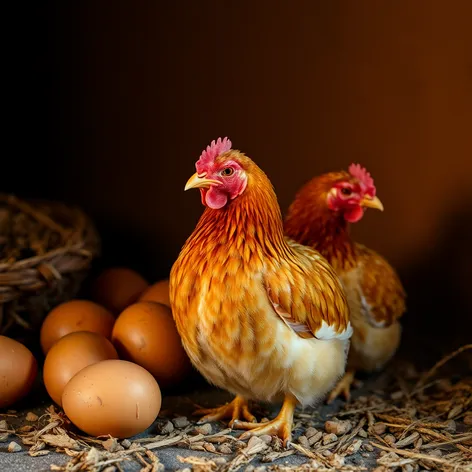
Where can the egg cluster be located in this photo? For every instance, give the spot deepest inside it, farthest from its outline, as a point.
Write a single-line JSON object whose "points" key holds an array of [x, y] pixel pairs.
{"points": [[106, 360]]}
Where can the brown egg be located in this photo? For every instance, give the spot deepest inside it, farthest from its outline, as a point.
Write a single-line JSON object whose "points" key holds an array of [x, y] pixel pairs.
{"points": [[112, 397], [158, 292], [71, 354], [18, 369], [145, 333], [117, 288], [72, 316]]}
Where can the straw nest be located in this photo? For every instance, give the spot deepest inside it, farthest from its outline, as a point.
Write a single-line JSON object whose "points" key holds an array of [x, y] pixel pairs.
{"points": [[46, 250]]}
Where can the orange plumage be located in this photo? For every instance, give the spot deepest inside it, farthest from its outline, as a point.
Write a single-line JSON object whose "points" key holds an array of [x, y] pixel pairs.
{"points": [[319, 217], [260, 316]]}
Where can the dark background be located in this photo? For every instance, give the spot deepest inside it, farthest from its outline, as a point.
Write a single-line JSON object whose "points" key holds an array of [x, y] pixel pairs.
{"points": [[114, 101]]}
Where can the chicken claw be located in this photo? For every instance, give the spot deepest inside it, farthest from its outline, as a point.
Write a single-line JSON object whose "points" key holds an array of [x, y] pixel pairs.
{"points": [[343, 386], [280, 426], [235, 410]]}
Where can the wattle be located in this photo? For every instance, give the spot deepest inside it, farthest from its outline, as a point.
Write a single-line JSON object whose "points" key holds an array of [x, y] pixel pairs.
{"points": [[354, 215], [215, 198]]}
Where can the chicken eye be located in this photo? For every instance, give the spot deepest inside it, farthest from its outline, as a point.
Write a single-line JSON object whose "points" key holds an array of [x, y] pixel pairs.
{"points": [[346, 191], [227, 171]]}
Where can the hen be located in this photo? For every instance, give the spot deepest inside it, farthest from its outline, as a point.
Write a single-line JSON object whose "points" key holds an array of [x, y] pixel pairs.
{"points": [[319, 217], [259, 316]]}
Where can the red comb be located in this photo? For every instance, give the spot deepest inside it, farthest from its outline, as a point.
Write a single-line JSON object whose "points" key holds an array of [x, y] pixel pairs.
{"points": [[364, 178], [212, 151]]}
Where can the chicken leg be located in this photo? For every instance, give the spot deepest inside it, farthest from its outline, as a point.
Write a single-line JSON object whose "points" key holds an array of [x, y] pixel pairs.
{"points": [[234, 410], [280, 426], [343, 386]]}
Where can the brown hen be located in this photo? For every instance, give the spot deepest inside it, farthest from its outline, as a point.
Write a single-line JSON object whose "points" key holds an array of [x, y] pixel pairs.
{"points": [[319, 217], [259, 316]]}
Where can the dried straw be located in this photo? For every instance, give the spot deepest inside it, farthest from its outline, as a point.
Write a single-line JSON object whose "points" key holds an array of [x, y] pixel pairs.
{"points": [[46, 249]]}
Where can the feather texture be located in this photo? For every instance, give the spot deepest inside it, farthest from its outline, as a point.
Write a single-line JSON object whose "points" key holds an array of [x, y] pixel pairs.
{"points": [[375, 294], [259, 315]]}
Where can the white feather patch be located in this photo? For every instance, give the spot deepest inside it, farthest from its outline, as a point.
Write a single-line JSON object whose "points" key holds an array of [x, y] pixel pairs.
{"points": [[328, 332]]}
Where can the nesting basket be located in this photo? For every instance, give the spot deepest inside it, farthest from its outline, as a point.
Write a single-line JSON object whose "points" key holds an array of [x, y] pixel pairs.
{"points": [[46, 251]]}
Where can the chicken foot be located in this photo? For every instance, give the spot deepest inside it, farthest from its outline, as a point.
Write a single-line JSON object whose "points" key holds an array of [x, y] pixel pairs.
{"points": [[280, 426], [234, 410], [343, 387]]}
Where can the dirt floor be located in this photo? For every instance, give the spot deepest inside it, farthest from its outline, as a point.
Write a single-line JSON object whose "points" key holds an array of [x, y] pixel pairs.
{"points": [[400, 419]]}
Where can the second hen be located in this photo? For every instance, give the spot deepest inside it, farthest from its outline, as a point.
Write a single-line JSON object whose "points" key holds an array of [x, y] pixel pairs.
{"points": [[259, 316], [319, 217]]}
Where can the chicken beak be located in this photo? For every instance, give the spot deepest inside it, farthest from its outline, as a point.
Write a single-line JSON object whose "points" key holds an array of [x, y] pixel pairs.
{"points": [[372, 202], [197, 181]]}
